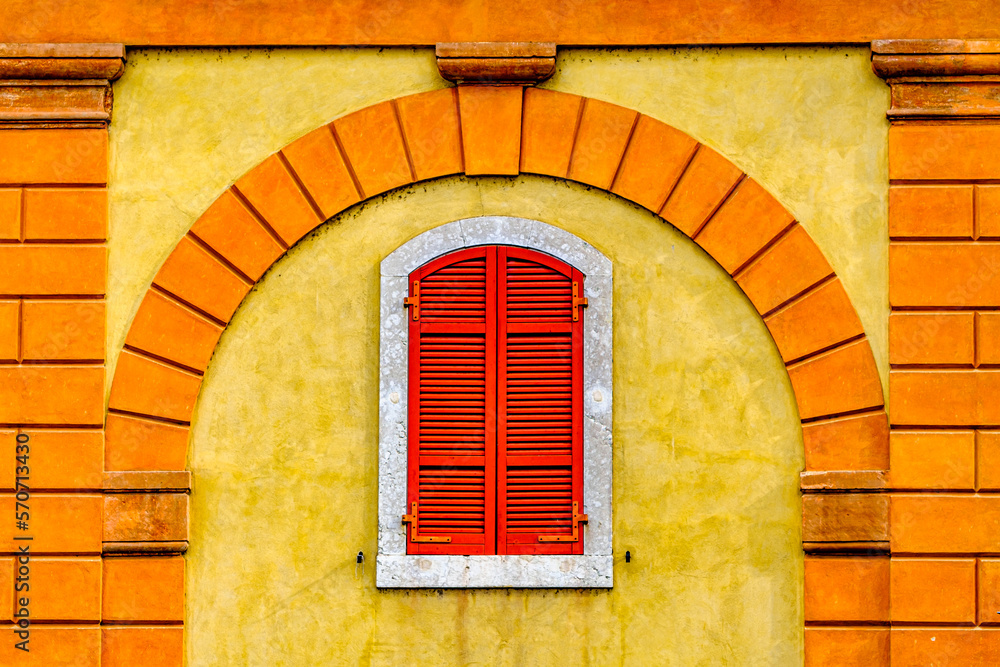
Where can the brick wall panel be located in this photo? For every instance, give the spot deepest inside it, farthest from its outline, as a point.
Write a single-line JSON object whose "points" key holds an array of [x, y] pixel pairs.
{"points": [[52, 395], [788, 268], [549, 125], [10, 214], [706, 182], [148, 387], [931, 211], [819, 320], [53, 270], [54, 156], [858, 442], [60, 523], [127, 646], [65, 589], [933, 459], [10, 314], [846, 589], [53, 645], [933, 590], [937, 275], [144, 589], [168, 329], [942, 524], [846, 647], [66, 459], [954, 152], [195, 276], [944, 647], [938, 338], [843, 380]]}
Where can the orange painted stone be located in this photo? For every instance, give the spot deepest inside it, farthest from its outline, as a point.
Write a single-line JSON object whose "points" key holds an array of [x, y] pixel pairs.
{"points": [[148, 387], [944, 151], [53, 270], [6, 584], [65, 459], [933, 590], [842, 380], [72, 214], [944, 523], [195, 276], [550, 124], [988, 338], [989, 591], [932, 459], [819, 320], [931, 275], [707, 182], [63, 330], [144, 589], [945, 647], [749, 220], [79, 646], [320, 167], [149, 646], [60, 524], [231, 230], [42, 394], [988, 209], [10, 322], [77, 156], [491, 129], [656, 157], [988, 460], [931, 211], [936, 338], [945, 397], [845, 517], [373, 144], [133, 443], [66, 589], [846, 647], [600, 142], [10, 214], [846, 589], [166, 328], [433, 135], [787, 269], [273, 192], [858, 442]]}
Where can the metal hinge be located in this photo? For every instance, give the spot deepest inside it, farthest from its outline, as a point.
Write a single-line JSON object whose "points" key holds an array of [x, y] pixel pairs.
{"points": [[575, 537], [578, 301], [414, 301], [414, 521]]}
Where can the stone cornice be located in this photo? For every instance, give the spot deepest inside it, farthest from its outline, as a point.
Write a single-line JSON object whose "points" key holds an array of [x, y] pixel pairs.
{"points": [[58, 85], [945, 79], [496, 63]]}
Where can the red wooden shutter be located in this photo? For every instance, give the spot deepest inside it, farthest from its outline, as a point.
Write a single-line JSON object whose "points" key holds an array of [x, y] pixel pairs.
{"points": [[452, 396], [539, 404]]}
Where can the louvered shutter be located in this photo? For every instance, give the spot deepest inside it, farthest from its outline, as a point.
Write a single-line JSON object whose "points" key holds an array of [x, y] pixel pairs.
{"points": [[539, 404], [451, 484]]}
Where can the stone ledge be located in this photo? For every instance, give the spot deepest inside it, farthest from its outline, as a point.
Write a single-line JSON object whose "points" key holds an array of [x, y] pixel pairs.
{"points": [[496, 63], [940, 78], [843, 481], [167, 481], [406, 571], [845, 517]]}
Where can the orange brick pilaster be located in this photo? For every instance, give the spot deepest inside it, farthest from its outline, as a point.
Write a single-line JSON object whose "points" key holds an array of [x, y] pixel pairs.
{"points": [[944, 348]]}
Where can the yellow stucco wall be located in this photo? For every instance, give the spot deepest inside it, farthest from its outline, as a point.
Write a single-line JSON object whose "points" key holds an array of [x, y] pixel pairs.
{"points": [[707, 442]]}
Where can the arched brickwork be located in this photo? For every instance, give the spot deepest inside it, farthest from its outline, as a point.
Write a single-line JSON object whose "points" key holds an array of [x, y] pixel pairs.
{"points": [[498, 131], [483, 130]]}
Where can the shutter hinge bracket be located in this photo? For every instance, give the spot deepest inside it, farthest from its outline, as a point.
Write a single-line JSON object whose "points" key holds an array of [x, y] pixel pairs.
{"points": [[578, 301], [414, 301], [414, 521], [575, 537]]}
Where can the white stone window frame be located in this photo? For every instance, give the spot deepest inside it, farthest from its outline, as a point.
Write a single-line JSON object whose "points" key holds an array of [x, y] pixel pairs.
{"points": [[595, 567]]}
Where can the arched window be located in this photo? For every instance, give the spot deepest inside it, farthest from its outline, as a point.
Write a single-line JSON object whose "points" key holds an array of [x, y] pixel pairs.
{"points": [[495, 409], [495, 438]]}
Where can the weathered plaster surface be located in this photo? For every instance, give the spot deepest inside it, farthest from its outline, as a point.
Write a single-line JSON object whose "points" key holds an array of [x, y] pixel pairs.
{"points": [[707, 450], [395, 569]]}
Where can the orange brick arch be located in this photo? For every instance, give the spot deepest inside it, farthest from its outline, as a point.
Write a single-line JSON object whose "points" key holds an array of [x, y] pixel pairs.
{"points": [[481, 130], [485, 130]]}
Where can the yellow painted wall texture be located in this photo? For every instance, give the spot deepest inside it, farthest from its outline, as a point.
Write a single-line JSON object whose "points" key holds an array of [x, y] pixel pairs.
{"points": [[707, 443]]}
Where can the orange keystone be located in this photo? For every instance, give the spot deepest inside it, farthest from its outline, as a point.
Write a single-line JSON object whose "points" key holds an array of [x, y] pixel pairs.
{"points": [[430, 125]]}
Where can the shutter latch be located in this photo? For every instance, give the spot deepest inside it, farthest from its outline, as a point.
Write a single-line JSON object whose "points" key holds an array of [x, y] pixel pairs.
{"points": [[577, 520], [414, 521], [414, 301], [578, 301]]}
